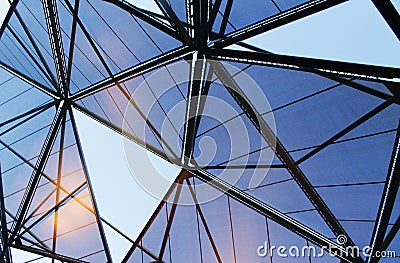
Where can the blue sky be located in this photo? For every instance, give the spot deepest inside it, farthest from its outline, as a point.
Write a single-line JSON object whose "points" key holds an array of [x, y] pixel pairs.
{"points": [[353, 31]]}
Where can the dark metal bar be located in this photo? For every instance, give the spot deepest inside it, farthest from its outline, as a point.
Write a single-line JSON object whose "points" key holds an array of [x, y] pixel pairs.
{"points": [[213, 14], [118, 84], [231, 229], [333, 77], [45, 176], [387, 201], [29, 80], [72, 46], [35, 46], [203, 220], [56, 206], [93, 200], [200, 23], [307, 64], [225, 18], [32, 214], [4, 236], [360, 87], [37, 172], [88, 37], [57, 47], [141, 68], [251, 47], [170, 220], [120, 131], [296, 13], [47, 254], [391, 235], [159, 17], [245, 166], [394, 88], [137, 12], [390, 14], [9, 14], [203, 98], [346, 130], [160, 206], [152, 219], [59, 175], [22, 115], [39, 242], [192, 118], [145, 250], [148, 122], [112, 77], [174, 20], [273, 214], [25, 48], [269, 136]]}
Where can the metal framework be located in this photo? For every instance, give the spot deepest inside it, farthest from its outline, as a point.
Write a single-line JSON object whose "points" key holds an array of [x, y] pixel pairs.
{"points": [[198, 41]]}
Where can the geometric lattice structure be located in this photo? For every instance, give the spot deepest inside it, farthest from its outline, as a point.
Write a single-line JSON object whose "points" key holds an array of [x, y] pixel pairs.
{"points": [[336, 169]]}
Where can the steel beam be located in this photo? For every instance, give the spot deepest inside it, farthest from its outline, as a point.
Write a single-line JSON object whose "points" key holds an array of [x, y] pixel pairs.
{"points": [[42, 108], [47, 254], [269, 136], [91, 193], [394, 88], [58, 186], [203, 220], [245, 166], [344, 81], [390, 14], [137, 70], [72, 47], [152, 219], [168, 12], [387, 201], [38, 241], [29, 80], [120, 131], [192, 118], [169, 223], [37, 172], [62, 202], [48, 178], [213, 14], [346, 130], [225, 18], [273, 214], [137, 12], [280, 19], [32, 214], [35, 46], [360, 87], [147, 121], [200, 13], [129, 99], [27, 51], [57, 47], [391, 235], [253, 203], [88, 37], [5, 250], [141, 247], [8, 16], [345, 69]]}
